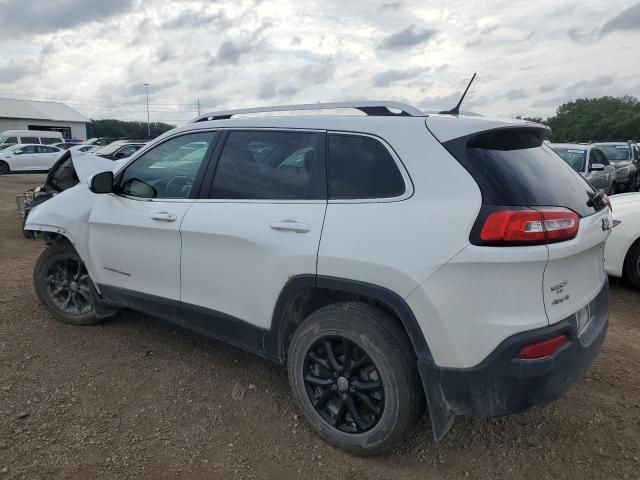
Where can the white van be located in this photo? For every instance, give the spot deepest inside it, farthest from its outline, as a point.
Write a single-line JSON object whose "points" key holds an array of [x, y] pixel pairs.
{"points": [[11, 137]]}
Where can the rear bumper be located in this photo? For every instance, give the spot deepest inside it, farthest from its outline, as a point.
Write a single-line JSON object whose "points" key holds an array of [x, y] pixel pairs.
{"points": [[502, 384]]}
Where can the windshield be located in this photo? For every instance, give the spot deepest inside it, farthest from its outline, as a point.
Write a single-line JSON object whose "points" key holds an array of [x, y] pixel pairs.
{"points": [[616, 153], [574, 157]]}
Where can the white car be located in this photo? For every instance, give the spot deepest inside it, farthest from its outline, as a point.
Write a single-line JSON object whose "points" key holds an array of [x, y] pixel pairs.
{"points": [[384, 258], [622, 252], [28, 157], [84, 148]]}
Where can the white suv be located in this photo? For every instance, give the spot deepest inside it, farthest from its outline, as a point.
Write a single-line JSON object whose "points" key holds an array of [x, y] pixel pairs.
{"points": [[386, 258]]}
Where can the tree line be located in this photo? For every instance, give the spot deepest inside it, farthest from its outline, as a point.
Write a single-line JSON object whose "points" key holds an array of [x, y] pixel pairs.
{"points": [[603, 119], [121, 129]]}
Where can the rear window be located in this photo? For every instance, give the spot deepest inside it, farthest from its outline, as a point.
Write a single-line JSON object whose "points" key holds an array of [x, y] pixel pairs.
{"points": [[513, 167]]}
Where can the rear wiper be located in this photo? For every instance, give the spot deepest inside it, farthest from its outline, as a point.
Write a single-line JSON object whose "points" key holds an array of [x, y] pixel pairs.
{"points": [[596, 200]]}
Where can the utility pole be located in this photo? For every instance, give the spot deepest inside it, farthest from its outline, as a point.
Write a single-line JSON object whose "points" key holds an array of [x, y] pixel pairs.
{"points": [[146, 86], [198, 107]]}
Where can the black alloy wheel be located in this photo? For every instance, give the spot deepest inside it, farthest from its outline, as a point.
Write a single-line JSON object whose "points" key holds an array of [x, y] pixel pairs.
{"points": [[343, 384], [68, 287]]}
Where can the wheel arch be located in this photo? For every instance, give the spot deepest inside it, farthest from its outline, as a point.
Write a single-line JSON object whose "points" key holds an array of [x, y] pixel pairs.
{"points": [[304, 294]]}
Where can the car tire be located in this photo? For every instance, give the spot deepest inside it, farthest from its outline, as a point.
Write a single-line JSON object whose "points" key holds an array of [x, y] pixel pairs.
{"points": [[63, 285], [365, 332], [632, 264], [4, 168]]}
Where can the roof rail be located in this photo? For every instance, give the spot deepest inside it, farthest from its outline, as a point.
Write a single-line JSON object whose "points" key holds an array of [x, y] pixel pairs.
{"points": [[371, 108]]}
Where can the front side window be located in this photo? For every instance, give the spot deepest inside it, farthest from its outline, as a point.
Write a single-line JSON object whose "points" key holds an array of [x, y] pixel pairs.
{"points": [[268, 165], [360, 168], [27, 149], [168, 170], [9, 140]]}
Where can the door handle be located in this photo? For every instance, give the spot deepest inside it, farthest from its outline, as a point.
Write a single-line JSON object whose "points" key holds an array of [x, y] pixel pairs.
{"points": [[290, 226], [164, 217]]}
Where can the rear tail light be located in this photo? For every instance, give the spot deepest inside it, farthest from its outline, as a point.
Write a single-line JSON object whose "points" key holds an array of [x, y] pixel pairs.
{"points": [[542, 349], [529, 227]]}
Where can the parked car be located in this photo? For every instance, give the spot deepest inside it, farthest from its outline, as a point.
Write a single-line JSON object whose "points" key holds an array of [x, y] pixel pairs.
{"points": [[28, 157], [119, 149], [590, 162], [99, 141], [13, 137], [625, 157], [331, 244], [84, 148], [622, 251], [65, 145]]}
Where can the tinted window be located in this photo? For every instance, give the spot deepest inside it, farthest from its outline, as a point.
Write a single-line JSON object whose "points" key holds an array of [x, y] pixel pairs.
{"points": [[361, 167], [28, 149], [11, 140], [514, 168], [602, 158], [168, 170], [49, 141], [29, 140], [268, 165]]}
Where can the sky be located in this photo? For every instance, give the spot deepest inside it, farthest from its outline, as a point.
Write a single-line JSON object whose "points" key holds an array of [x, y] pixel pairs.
{"points": [[530, 57]]}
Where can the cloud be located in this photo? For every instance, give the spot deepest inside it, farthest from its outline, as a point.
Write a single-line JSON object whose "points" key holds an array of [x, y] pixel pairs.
{"points": [[628, 19], [192, 18], [38, 17], [407, 38], [268, 90], [599, 86], [386, 78], [13, 71], [230, 52], [390, 6], [548, 87], [516, 94]]}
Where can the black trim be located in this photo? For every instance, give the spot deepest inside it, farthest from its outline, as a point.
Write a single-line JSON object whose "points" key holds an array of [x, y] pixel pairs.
{"points": [[502, 384], [390, 300]]}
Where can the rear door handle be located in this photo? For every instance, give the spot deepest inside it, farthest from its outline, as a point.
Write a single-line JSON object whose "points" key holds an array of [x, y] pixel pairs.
{"points": [[164, 217], [290, 226]]}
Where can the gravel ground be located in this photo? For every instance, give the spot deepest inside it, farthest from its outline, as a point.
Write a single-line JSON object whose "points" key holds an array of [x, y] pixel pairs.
{"points": [[136, 398]]}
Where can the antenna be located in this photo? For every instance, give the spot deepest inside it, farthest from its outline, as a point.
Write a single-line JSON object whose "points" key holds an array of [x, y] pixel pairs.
{"points": [[456, 110]]}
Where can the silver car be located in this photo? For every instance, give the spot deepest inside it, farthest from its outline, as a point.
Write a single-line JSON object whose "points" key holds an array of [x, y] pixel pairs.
{"points": [[590, 162]]}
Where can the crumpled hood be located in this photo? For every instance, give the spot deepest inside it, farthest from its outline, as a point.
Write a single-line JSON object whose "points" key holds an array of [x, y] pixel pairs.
{"points": [[87, 165], [73, 168]]}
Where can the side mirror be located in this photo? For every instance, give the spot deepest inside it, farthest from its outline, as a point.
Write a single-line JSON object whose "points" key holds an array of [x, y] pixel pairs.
{"points": [[102, 183], [17, 152], [596, 167]]}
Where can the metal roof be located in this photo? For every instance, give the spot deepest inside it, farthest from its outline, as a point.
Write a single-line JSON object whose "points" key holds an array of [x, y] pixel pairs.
{"points": [[36, 110]]}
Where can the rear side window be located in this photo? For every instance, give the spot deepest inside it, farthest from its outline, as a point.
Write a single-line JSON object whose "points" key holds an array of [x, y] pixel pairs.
{"points": [[29, 140], [49, 141], [269, 165], [513, 167], [361, 167]]}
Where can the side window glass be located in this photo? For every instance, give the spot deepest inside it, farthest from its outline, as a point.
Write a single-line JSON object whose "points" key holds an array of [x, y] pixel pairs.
{"points": [[30, 140], [168, 170], [267, 165], [29, 149], [361, 167], [592, 157], [602, 158]]}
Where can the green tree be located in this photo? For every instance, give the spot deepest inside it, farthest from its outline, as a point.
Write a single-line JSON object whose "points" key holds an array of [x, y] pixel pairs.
{"points": [[120, 129], [596, 119]]}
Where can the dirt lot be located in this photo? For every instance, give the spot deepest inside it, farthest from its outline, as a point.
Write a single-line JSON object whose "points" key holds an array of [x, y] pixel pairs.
{"points": [[136, 398]]}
